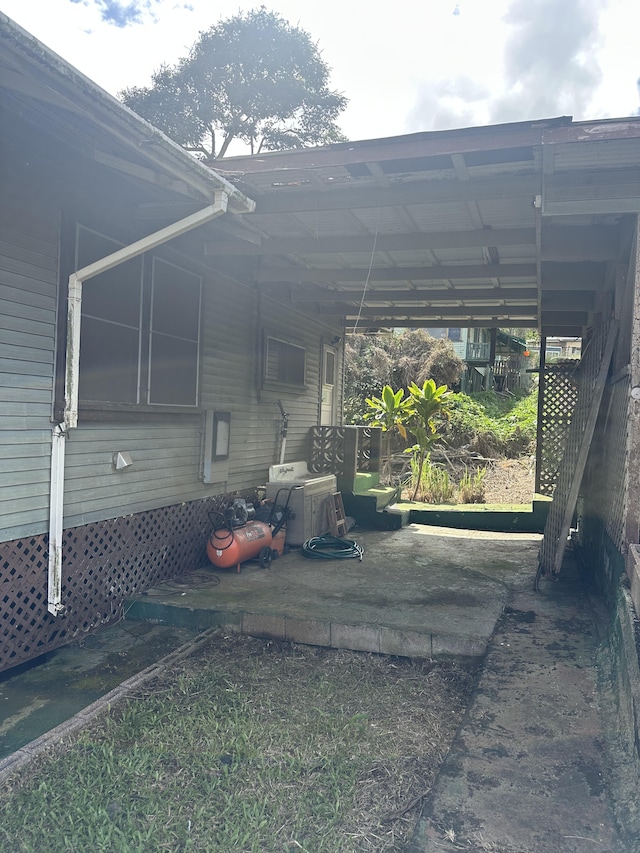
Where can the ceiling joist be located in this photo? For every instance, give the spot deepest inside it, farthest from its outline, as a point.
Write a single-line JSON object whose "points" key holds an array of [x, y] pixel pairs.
{"points": [[459, 272]]}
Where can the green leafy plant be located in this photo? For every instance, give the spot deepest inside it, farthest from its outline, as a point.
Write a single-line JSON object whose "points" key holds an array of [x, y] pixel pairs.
{"points": [[471, 486], [390, 411], [431, 484], [427, 404], [491, 424]]}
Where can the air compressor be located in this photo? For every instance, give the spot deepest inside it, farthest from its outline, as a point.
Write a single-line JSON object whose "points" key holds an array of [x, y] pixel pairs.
{"points": [[237, 537]]}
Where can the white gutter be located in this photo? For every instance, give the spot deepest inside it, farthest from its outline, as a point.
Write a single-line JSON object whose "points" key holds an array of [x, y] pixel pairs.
{"points": [[61, 430]]}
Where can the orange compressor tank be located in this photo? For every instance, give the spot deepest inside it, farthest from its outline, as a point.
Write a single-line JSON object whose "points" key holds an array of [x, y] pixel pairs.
{"points": [[229, 547]]}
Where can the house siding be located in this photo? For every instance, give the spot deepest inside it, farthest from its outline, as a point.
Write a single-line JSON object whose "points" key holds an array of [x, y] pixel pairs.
{"points": [[28, 308], [166, 450]]}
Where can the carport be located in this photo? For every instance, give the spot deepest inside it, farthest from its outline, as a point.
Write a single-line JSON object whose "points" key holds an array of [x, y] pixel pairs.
{"points": [[527, 225]]}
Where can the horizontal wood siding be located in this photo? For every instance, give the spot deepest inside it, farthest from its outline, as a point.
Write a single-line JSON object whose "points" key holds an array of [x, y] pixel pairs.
{"points": [[166, 451], [28, 298]]}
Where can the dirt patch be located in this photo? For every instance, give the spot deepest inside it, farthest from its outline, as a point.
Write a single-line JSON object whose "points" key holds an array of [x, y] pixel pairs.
{"points": [[510, 481]]}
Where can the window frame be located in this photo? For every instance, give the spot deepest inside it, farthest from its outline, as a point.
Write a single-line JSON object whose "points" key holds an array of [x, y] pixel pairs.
{"points": [[268, 378], [143, 408]]}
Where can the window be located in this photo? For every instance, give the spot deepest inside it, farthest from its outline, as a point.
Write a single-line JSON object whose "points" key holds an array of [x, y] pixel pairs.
{"points": [[284, 362], [454, 334], [140, 329], [329, 367]]}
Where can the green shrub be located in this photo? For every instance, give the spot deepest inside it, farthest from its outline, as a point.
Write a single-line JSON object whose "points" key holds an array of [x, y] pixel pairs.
{"points": [[471, 486], [491, 424], [435, 486]]}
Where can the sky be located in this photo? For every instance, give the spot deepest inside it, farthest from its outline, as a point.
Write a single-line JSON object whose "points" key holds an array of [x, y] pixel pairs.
{"points": [[405, 66]]}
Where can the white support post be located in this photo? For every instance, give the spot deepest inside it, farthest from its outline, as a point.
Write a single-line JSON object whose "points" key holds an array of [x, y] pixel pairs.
{"points": [[56, 507]]}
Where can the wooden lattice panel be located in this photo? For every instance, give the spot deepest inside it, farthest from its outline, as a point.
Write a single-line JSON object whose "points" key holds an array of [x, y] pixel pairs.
{"points": [[104, 563], [559, 399], [590, 382]]}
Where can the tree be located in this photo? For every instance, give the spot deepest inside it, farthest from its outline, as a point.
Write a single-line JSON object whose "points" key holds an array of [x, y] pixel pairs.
{"points": [[252, 77]]}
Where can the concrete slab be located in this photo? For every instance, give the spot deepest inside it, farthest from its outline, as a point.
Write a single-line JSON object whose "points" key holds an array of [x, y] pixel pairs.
{"points": [[439, 590], [529, 771]]}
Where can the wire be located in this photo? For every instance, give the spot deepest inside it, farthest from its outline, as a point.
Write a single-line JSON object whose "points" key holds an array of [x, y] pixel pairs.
{"points": [[332, 548], [366, 284]]}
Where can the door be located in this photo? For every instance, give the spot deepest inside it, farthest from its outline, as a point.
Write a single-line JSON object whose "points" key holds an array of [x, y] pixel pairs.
{"points": [[328, 395]]}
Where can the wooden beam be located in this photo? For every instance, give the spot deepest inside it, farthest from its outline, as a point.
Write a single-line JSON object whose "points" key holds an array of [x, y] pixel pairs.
{"points": [[416, 192], [573, 276], [527, 294], [436, 273], [579, 242], [590, 191], [425, 144], [435, 311], [564, 318], [135, 170], [383, 243], [568, 300], [418, 323], [431, 324], [562, 331]]}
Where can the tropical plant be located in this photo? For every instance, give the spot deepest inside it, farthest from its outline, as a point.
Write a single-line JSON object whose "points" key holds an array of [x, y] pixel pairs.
{"points": [[427, 404], [253, 77], [389, 411]]}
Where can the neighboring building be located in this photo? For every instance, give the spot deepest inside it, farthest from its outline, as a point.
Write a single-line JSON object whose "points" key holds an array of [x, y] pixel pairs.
{"points": [[491, 361], [558, 348]]}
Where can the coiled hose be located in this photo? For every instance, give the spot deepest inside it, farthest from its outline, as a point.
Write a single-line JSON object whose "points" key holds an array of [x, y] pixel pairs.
{"points": [[332, 548]]}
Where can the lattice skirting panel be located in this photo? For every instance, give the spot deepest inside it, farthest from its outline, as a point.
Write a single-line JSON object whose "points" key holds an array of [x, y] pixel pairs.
{"points": [[103, 564]]}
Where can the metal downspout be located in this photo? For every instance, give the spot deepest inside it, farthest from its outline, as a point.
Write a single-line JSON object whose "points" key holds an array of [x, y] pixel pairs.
{"points": [[61, 430]]}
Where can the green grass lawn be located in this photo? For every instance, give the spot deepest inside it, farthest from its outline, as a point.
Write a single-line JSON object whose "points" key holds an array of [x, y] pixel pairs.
{"points": [[249, 745]]}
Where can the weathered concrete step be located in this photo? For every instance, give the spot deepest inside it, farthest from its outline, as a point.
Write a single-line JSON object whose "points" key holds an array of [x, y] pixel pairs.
{"points": [[380, 639]]}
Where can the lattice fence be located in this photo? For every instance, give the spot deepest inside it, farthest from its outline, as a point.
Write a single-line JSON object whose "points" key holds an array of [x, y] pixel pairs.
{"points": [[558, 402], [104, 563], [590, 383]]}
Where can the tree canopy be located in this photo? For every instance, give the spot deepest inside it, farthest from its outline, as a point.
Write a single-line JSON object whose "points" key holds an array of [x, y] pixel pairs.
{"points": [[253, 77]]}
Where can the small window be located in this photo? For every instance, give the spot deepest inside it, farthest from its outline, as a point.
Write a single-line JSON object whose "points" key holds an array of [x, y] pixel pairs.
{"points": [[329, 367], [454, 334], [284, 362]]}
